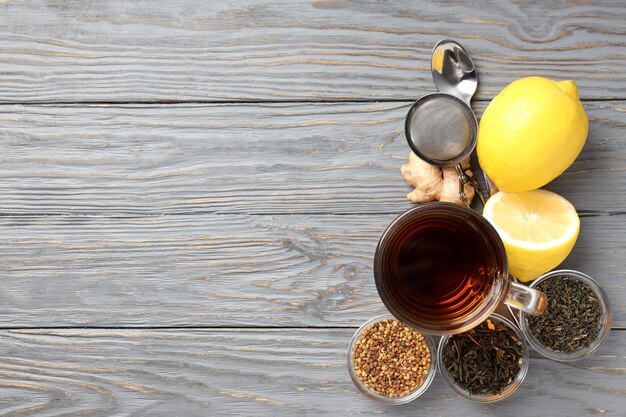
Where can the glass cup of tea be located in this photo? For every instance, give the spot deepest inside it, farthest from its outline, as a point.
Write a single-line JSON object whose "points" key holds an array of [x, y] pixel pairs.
{"points": [[442, 269]]}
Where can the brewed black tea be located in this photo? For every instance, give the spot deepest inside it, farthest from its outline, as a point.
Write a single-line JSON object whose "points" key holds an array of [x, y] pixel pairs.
{"points": [[438, 268]]}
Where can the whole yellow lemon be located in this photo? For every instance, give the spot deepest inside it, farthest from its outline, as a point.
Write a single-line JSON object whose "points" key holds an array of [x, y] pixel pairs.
{"points": [[531, 132]]}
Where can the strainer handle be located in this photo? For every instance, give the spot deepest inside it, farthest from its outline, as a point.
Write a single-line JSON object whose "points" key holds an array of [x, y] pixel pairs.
{"points": [[466, 179]]}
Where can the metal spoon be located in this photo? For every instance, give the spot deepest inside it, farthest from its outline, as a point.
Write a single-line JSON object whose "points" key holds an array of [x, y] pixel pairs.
{"points": [[454, 73]]}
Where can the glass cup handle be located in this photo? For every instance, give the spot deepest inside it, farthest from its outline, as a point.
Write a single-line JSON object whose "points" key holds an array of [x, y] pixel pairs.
{"points": [[526, 299]]}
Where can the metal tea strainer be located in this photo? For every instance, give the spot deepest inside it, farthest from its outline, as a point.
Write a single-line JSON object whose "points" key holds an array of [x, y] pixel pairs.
{"points": [[441, 129]]}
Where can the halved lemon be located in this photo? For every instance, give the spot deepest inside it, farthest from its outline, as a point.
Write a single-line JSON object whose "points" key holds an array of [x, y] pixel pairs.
{"points": [[539, 229]]}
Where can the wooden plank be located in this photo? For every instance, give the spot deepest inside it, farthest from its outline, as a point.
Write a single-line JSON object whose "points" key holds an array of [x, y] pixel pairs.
{"points": [[280, 158], [64, 50], [223, 270], [262, 372]]}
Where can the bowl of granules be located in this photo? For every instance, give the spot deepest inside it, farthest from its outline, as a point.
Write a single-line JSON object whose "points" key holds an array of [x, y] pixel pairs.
{"points": [[487, 363], [576, 321], [391, 362]]}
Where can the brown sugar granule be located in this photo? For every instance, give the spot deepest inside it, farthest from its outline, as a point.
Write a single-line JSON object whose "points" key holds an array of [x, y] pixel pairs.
{"points": [[391, 359]]}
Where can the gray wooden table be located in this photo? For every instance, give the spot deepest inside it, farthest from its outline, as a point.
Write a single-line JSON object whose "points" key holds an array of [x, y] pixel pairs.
{"points": [[191, 193]]}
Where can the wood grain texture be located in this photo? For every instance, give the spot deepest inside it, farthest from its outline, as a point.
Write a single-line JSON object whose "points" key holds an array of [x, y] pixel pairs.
{"points": [[60, 51], [279, 158], [197, 215], [262, 372], [223, 270]]}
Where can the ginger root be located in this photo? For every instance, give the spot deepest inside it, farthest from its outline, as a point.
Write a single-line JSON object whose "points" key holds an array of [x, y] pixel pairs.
{"points": [[434, 183]]}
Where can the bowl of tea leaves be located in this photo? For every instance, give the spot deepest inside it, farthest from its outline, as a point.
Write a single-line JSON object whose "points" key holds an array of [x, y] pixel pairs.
{"points": [[487, 363], [391, 362], [576, 321]]}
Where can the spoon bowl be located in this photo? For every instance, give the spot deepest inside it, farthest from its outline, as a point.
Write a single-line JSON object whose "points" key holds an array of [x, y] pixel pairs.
{"points": [[453, 70]]}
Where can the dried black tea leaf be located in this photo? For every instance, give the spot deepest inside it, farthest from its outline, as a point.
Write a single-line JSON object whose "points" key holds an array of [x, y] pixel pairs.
{"points": [[484, 360], [573, 318]]}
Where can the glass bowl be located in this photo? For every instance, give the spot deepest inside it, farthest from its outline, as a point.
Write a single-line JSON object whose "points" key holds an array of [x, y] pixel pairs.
{"points": [[508, 390], [428, 379], [605, 322]]}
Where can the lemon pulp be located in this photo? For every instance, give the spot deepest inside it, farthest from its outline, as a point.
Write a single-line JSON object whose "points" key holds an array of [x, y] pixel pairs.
{"points": [[538, 228]]}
